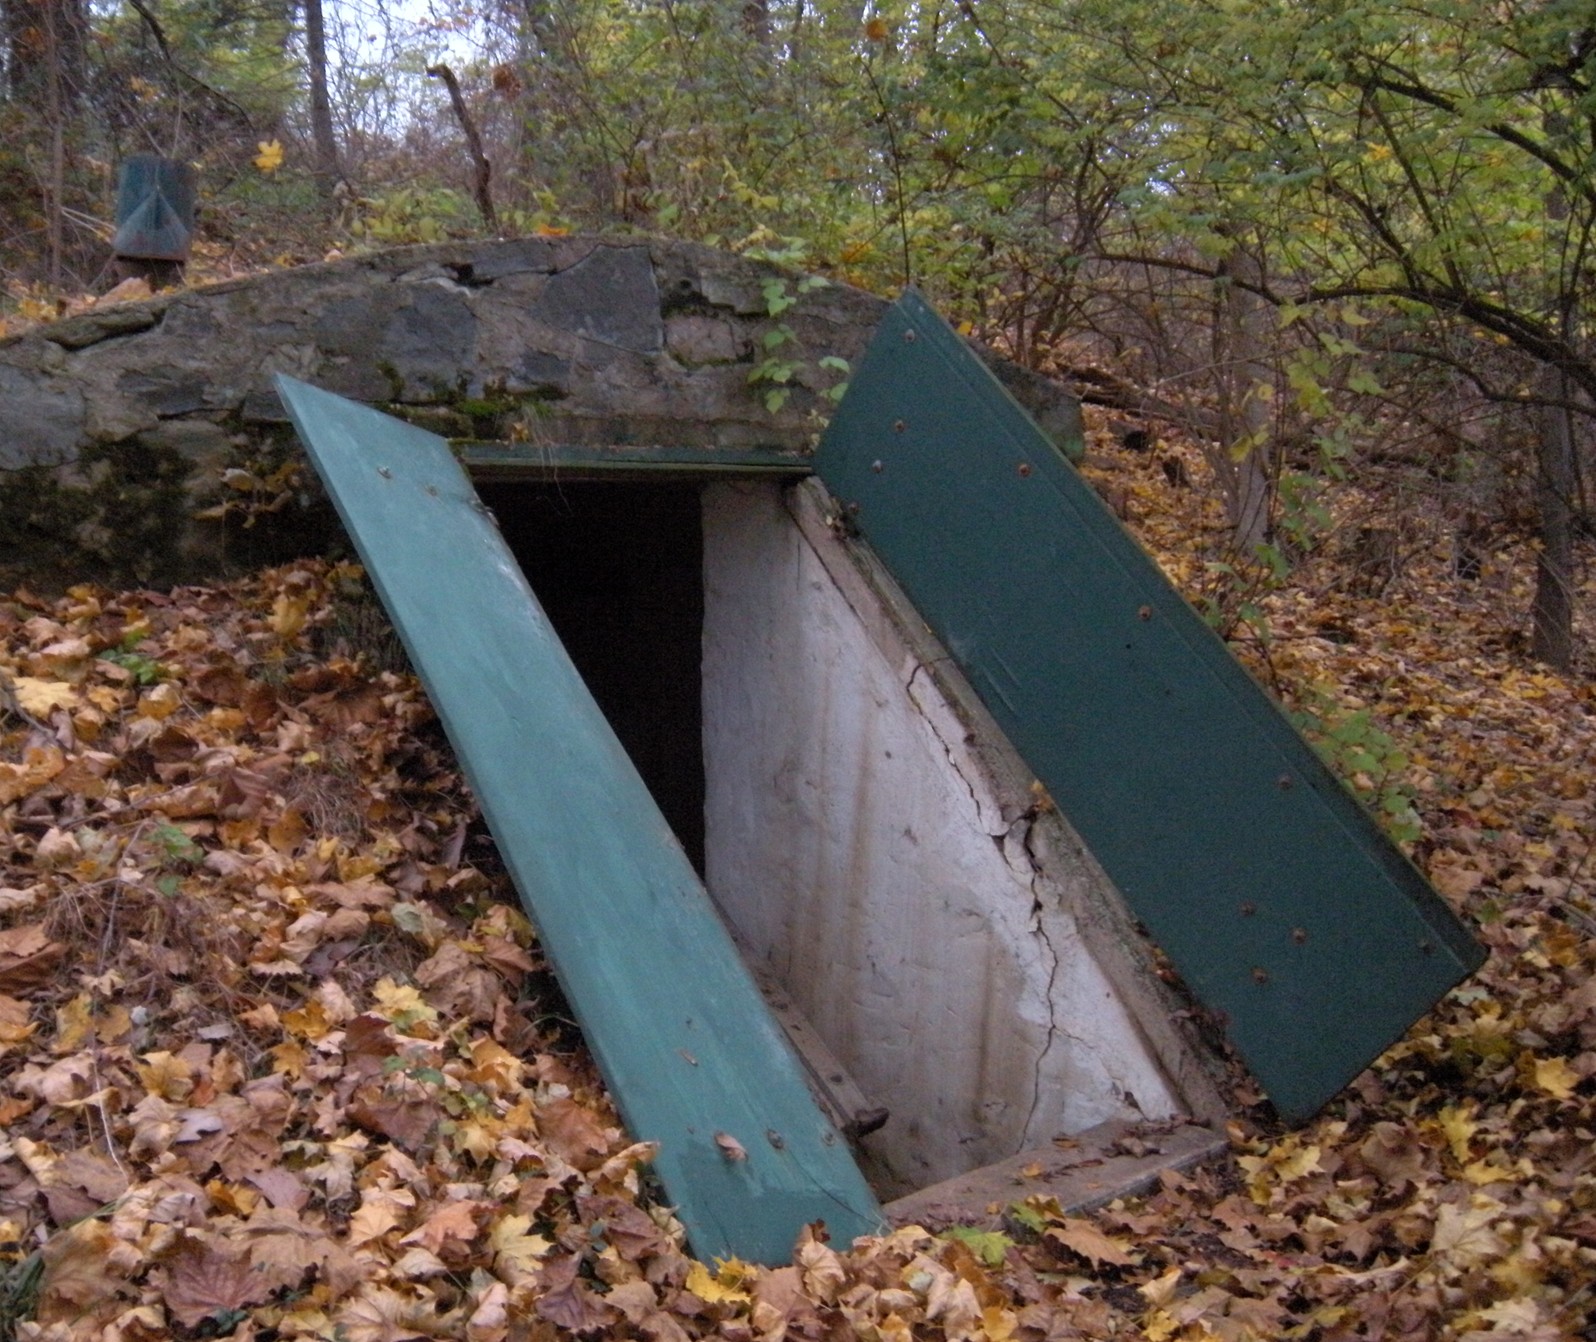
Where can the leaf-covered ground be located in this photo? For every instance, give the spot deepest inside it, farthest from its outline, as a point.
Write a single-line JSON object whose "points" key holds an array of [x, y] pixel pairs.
{"points": [[279, 1058]]}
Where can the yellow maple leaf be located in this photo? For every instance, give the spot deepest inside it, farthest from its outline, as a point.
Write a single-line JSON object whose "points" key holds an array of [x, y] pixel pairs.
{"points": [[1297, 1164], [494, 1065], [475, 1138], [40, 697], [401, 1003], [73, 1023], [517, 1254], [309, 1021], [167, 1075], [999, 1324], [289, 1058], [115, 1021], [711, 1289], [270, 157], [288, 614], [1459, 1127], [1556, 1078], [1160, 1326]]}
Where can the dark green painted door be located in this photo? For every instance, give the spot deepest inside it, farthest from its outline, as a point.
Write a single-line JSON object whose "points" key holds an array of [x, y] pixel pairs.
{"points": [[1281, 903], [686, 1043]]}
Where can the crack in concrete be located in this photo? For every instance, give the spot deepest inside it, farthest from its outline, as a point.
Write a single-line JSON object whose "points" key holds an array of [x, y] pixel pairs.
{"points": [[1054, 1030], [929, 717]]}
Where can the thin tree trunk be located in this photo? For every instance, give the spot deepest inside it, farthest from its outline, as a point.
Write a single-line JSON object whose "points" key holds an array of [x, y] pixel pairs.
{"points": [[328, 171], [1245, 383], [55, 105], [482, 184], [1556, 474], [1552, 640]]}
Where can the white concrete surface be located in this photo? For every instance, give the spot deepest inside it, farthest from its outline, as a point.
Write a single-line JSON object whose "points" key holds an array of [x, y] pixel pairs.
{"points": [[861, 851]]}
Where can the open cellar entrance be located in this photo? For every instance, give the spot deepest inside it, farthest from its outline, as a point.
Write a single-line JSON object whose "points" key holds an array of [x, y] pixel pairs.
{"points": [[618, 569], [838, 813]]}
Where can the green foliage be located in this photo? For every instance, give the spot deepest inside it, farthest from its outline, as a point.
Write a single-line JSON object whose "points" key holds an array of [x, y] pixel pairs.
{"points": [[990, 1246], [781, 361], [176, 848], [1231, 596], [411, 214], [1366, 757], [19, 1289], [177, 854], [145, 670]]}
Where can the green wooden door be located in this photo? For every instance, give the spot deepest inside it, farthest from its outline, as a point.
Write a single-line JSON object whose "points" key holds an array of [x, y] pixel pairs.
{"points": [[1281, 903], [689, 1050]]}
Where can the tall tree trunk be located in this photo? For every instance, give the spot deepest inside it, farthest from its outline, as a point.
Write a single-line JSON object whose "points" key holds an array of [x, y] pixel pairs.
{"points": [[55, 113], [1552, 640], [328, 173], [1556, 472], [1245, 383]]}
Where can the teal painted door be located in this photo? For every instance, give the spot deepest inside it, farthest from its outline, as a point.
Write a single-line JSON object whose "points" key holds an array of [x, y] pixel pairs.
{"points": [[689, 1050], [1281, 903]]}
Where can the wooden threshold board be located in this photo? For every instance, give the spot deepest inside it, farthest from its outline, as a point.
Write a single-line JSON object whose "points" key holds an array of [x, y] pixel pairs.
{"points": [[1091, 1169]]}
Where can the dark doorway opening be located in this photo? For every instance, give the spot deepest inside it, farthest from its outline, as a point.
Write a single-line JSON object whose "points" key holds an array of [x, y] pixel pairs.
{"points": [[619, 570]]}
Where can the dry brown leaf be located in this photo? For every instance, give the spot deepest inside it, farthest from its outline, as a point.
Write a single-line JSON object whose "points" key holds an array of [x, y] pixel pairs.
{"points": [[397, 1108], [453, 1224], [204, 1280], [625, 1225], [566, 1301], [15, 1025], [490, 1319], [457, 984], [1085, 1239], [380, 1211], [572, 1131], [76, 1278], [379, 1314], [823, 1272], [39, 765], [28, 958]]}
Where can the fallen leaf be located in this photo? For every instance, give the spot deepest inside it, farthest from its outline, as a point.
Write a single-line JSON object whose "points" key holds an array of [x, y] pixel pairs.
{"points": [[1085, 1239], [1556, 1078], [270, 157], [566, 1301], [204, 1281], [40, 698]]}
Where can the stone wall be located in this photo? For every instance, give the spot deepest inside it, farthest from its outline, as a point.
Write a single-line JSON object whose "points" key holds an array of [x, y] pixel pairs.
{"points": [[118, 426]]}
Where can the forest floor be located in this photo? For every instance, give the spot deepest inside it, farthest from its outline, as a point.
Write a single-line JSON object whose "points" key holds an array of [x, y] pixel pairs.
{"points": [[279, 1057]]}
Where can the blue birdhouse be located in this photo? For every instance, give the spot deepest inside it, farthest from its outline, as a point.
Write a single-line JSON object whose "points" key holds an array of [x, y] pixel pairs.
{"points": [[154, 209]]}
